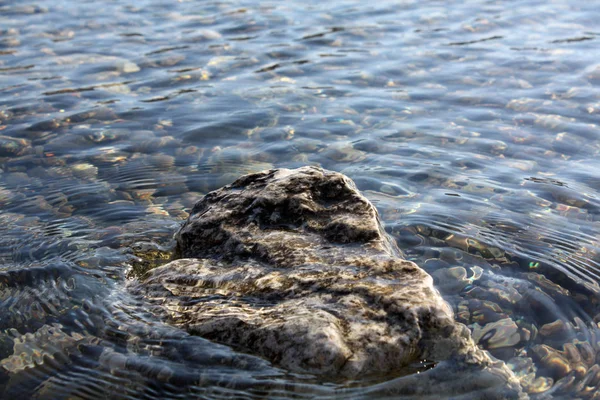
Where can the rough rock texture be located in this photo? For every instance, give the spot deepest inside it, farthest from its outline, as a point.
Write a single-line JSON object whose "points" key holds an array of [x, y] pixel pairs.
{"points": [[294, 265]]}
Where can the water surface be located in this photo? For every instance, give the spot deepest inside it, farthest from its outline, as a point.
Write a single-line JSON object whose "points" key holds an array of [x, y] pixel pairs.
{"points": [[472, 126]]}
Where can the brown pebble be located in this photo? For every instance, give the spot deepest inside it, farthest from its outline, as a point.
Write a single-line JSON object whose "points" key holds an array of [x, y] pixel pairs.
{"points": [[554, 329], [552, 360]]}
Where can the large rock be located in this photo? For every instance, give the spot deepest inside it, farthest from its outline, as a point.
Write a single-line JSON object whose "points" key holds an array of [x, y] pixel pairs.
{"points": [[294, 266]]}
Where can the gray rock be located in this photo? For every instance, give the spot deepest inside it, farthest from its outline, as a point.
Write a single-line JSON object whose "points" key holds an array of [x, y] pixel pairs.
{"points": [[294, 266], [12, 147]]}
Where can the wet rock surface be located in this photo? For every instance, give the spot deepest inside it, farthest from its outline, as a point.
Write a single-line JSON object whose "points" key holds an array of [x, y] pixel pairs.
{"points": [[294, 266]]}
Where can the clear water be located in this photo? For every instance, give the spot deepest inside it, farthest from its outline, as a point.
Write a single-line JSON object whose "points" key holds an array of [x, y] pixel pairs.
{"points": [[471, 125]]}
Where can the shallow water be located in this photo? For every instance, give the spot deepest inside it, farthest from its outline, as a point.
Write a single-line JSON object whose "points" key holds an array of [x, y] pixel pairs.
{"points": [[472, 127]]}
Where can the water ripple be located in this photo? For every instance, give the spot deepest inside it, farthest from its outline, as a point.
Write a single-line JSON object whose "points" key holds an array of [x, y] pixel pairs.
{"points": [[471, 126]]}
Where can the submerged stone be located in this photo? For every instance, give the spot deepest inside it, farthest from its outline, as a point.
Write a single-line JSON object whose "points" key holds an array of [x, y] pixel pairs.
{"points": [[12, 147], [295, 266]]}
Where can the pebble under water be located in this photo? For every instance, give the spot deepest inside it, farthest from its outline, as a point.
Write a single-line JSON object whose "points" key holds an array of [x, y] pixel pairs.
{"points": [[471, 126]]}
